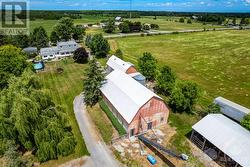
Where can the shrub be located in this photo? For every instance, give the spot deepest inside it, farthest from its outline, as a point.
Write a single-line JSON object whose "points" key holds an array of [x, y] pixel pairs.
{"points": [[246, 122], [182, 20]]}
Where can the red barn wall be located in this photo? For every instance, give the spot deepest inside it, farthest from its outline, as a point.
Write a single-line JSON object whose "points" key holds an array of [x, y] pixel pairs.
{"points": [[154, 111], [131, 70]]}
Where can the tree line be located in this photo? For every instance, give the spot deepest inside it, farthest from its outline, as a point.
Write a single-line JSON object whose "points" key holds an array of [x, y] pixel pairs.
{"points": [[56, 15], [64, 30]]}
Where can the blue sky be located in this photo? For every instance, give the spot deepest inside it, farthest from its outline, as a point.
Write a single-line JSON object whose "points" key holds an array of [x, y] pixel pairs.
{"points": [[160, 5]]}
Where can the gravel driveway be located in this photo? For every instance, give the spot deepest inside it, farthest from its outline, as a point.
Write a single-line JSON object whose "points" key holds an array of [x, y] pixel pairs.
{"points": [[101, 156]]}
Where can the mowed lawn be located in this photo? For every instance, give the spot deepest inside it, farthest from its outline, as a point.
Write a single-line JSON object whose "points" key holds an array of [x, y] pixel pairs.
{"points": [[167, 25], [63, 88], [218, 61]]}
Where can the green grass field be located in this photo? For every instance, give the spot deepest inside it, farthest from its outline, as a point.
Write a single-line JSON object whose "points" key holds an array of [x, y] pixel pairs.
{"points": [[101, 122], [63, 88], [49, 24], [218, 61], [161, 21], [167, 25]]}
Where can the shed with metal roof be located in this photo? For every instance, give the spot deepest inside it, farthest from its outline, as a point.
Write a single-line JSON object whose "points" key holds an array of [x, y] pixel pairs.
{"points": [[227, 136]]}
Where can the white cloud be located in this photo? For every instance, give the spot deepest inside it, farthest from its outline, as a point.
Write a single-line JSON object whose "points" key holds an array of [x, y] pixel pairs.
{"points": [[160, 4]]}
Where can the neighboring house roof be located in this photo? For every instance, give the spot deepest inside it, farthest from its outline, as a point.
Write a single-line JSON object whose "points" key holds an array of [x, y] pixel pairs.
{"points": [[118, 18], [126, 94], [49, 50], [231, 109], [226, 135], [118, 64], [72, 42], [30, 49]]}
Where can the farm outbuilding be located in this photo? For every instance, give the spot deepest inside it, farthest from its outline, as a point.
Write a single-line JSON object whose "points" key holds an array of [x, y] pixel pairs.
{"points": [[231, 109], [224, 140], [115, 63], [137, 108]]}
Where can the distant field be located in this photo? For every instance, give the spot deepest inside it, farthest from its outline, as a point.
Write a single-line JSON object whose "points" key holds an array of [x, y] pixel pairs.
{"points": [[218, 61], [48, 24], [172, 25], [161, 21], [63, 88]]}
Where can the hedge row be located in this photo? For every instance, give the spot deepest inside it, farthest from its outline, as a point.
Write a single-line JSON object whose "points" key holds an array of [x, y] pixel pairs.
{"points": [[112, 118]]}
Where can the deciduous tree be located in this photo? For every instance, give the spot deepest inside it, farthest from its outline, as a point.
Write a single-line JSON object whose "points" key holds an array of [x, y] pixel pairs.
{"points": [[110, 26], [54, 38], [148, 65], [39, 38], [99, 45], [165, 80], [81, 55], [65, 28], [184, 96], [12, 63], [30, 117]]}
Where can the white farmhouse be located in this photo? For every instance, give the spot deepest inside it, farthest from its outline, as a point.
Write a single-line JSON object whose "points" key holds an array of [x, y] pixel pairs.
{"points": [[63, 49]]}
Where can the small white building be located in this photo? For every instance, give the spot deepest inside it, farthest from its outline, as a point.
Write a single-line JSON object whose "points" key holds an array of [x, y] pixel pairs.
{"points": [[231, 109], [63, 49], [115, 63], [118, 19]]}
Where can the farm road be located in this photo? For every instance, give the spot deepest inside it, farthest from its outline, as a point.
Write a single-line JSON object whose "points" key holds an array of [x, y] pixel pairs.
{"points": [[101, 156]]}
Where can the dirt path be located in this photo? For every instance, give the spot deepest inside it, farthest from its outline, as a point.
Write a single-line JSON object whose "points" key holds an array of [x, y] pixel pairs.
{"points": [[100, 153]]}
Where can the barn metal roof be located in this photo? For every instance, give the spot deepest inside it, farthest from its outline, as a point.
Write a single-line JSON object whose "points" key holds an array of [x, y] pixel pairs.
{"points": [[231, 109], [126, 94], [118, 64], [227, 135]]}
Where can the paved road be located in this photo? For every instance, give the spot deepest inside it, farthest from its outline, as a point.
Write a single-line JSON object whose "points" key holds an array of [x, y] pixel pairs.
{"points": [[101, 156], [158, 32]]}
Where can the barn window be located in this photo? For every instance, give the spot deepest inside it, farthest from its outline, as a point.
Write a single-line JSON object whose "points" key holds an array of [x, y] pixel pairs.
{"points": [[162, 119], [150, 125], [132, 132]]}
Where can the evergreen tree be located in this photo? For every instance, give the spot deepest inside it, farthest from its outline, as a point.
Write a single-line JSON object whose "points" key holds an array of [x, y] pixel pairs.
{"points": [[148, 65], [94, 78]]}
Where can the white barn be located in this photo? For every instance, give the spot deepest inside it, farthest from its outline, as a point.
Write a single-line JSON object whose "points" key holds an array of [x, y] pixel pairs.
{"points": [[133, 104]]}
